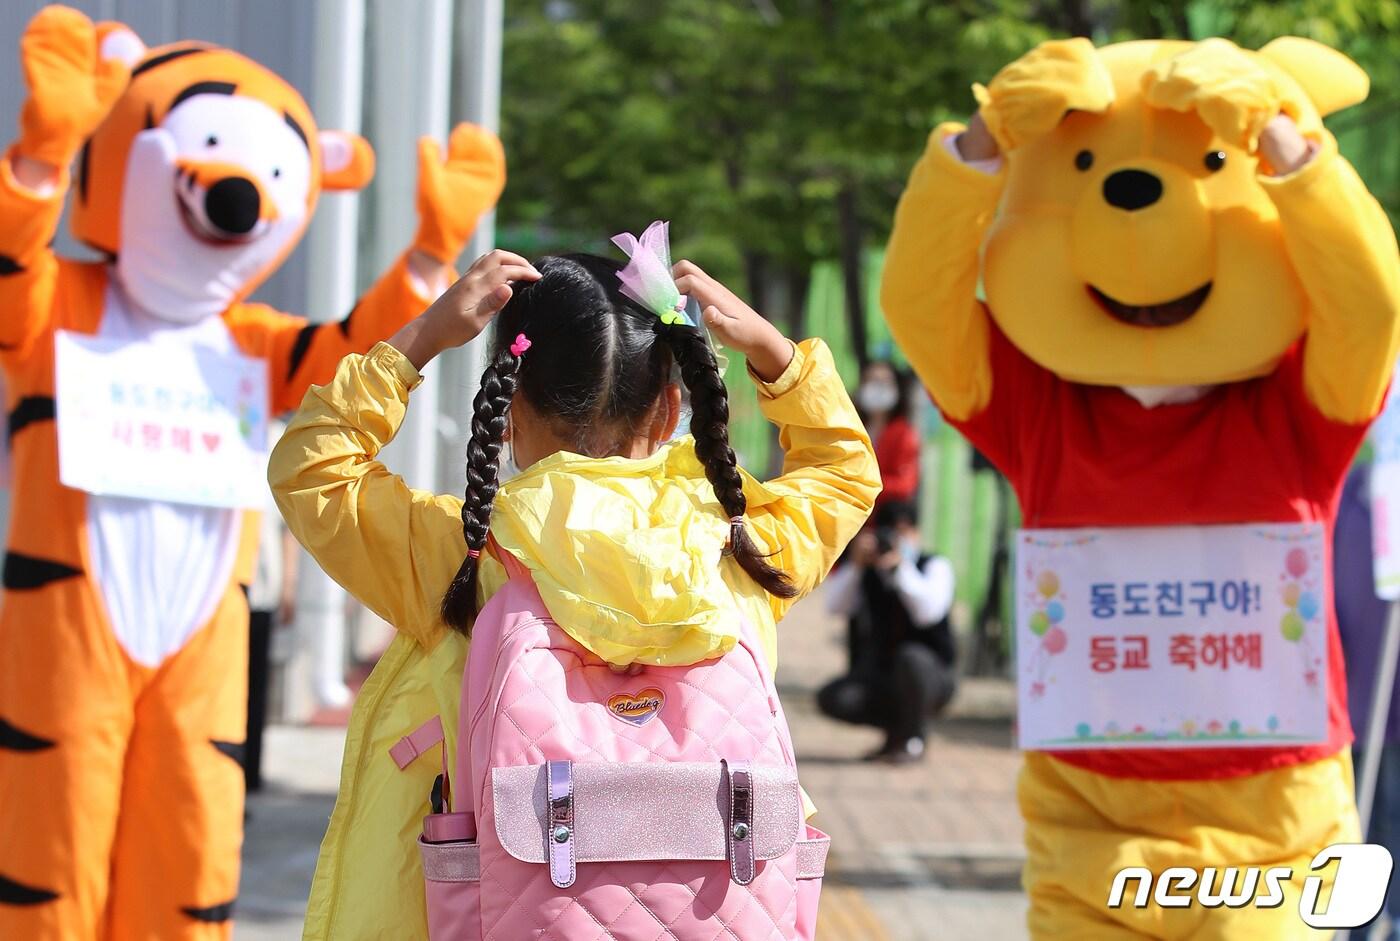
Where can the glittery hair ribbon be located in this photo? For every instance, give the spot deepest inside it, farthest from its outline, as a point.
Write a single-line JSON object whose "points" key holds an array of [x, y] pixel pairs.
{"points": [[647, 277]]}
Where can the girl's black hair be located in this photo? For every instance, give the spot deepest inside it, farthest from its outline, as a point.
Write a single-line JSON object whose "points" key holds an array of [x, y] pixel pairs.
{"points": [[596, 368]]}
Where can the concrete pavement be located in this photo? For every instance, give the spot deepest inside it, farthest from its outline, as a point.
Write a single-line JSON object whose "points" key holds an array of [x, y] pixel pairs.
{"points": [[920, 853], [925, 852]]}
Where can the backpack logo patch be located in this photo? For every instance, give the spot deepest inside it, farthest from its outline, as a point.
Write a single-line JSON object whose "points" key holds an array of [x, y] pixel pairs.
{"points": [[637, 708]]}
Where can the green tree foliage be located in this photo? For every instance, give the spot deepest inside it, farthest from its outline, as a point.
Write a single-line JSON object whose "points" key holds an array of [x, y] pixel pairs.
{"points": [[743, 120], [777, 133]]}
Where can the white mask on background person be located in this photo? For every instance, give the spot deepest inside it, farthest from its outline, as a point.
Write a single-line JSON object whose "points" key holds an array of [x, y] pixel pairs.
{"points": [[877, 396]]}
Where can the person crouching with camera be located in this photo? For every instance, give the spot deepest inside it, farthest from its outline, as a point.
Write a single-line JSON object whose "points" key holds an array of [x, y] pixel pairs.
{"points": [[902, 653]]}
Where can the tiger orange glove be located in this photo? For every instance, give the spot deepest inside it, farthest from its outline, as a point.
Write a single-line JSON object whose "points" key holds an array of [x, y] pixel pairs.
{"points": [[71, 87], [453, 194]]}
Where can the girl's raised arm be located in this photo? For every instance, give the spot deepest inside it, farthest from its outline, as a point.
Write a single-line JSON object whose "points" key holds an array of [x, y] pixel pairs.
{"points": [[830, 479], [393, 548]]}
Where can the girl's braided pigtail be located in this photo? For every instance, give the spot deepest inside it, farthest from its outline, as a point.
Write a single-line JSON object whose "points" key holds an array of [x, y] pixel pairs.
{"points": [[709, 424], [483, 469]]}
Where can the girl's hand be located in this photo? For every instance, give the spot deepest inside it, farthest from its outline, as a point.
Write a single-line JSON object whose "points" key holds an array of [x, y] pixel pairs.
{"points": [[977, 143], [463, 311], [1284, 148], [736, 324]]}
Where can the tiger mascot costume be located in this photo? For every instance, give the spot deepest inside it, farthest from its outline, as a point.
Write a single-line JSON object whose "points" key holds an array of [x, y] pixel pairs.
{"points": [[123, 631]]}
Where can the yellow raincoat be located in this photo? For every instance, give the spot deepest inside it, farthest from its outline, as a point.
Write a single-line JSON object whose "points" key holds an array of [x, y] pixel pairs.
{"points": [[626, 555]]}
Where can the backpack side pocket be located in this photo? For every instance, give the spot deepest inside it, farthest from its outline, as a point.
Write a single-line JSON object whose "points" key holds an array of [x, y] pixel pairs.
{"points": [[452, 887]]}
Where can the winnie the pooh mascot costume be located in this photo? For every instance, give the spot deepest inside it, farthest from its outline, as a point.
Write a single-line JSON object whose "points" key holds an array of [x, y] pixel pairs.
{"points": [[1146, 285], [123, 637]]}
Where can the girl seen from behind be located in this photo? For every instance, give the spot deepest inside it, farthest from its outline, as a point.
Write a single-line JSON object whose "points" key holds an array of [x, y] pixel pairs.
{"points": [[645, 550]]}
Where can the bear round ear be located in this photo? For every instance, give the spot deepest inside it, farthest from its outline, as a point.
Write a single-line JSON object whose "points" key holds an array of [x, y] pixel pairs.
{"points": [[117, 41], [1331, 80], [347, 161]]}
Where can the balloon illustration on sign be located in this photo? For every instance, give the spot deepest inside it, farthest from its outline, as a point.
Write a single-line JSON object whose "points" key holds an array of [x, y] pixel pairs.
{"points": [[1044, 622], [1291, 626], [1303, 604], [1307, 606]]}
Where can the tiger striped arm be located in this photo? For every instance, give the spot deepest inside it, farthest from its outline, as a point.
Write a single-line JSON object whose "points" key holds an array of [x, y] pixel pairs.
{"points": [[28, 266]]}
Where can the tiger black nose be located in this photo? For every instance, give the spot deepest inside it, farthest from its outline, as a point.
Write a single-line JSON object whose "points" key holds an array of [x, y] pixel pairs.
{"points": [[1132, 189], [233, 205]]}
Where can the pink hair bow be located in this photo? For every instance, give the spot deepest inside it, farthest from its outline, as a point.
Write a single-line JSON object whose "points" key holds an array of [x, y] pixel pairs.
{"points": [[647, 277], [521, 344]]}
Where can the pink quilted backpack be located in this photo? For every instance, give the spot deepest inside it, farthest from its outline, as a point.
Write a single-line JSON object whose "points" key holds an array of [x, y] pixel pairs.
{"points": [[591, 804]]}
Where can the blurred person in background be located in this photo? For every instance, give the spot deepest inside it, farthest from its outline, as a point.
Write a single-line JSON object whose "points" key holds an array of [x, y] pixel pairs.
{"points": [[1361, 619], [898, 599], [885, 405]]}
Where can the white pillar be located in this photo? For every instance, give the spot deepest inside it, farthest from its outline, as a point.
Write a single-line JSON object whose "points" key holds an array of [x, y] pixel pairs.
{"points": [[336, 97], [479, 27], [411, 46]]}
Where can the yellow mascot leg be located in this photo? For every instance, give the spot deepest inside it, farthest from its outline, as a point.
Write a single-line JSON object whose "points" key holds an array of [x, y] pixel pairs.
{"points": [[175, 865], [1082, 828]]}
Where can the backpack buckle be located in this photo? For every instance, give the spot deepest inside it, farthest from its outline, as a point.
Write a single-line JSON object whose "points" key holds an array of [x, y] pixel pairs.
{"points": [[739, 836], [560, 837]]}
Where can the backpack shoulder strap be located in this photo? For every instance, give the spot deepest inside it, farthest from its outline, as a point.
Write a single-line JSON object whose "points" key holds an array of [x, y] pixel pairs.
{"points": [[513, 566]]}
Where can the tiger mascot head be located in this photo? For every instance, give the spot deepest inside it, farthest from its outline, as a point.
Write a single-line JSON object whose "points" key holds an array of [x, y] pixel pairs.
{"points": [[204, 174]]}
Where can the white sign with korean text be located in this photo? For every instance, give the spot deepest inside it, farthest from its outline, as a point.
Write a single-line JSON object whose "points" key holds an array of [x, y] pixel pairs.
{"points": [[136, 421], [1385, 499], [1172, 637]]}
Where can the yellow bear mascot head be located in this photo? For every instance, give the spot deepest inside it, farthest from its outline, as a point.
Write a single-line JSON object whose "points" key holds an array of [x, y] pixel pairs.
{"points": [[1135, 242]]}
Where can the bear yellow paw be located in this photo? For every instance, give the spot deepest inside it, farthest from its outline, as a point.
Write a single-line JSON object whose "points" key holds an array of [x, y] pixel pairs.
{"points": [[1232, 91], [1029, 97]]}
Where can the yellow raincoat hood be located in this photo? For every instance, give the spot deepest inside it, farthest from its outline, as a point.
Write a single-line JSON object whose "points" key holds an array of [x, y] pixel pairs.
{"points": [[628, 554]]}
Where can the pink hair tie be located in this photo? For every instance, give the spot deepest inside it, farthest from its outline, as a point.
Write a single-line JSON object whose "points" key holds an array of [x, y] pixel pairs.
{"points": [[473, 553], [521, 344], [735, 520]]}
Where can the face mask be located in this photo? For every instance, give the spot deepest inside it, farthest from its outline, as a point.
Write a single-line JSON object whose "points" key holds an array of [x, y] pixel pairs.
{"points": [[877, 396]]}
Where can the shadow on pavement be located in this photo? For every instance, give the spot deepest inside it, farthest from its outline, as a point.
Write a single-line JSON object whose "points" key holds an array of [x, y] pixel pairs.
{"points": [[943, 872], [281, 838]]}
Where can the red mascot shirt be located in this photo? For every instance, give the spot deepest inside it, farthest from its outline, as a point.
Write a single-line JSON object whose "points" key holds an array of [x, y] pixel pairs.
{"points": [[1248, 452], [897, 452]]}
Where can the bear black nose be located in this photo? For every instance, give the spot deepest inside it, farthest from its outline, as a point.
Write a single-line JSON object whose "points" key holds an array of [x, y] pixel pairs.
{"points": [[1132, 189], [233, 205]]}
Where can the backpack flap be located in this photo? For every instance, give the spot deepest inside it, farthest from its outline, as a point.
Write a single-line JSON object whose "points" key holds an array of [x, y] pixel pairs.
{"points": [[645, 812]]}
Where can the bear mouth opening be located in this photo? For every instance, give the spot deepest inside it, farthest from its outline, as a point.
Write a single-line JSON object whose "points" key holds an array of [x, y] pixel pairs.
{"points": [[1165, 314]]}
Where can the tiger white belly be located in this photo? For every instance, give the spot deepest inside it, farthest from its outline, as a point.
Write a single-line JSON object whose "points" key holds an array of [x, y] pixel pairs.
{"points": [[162, 568]]}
